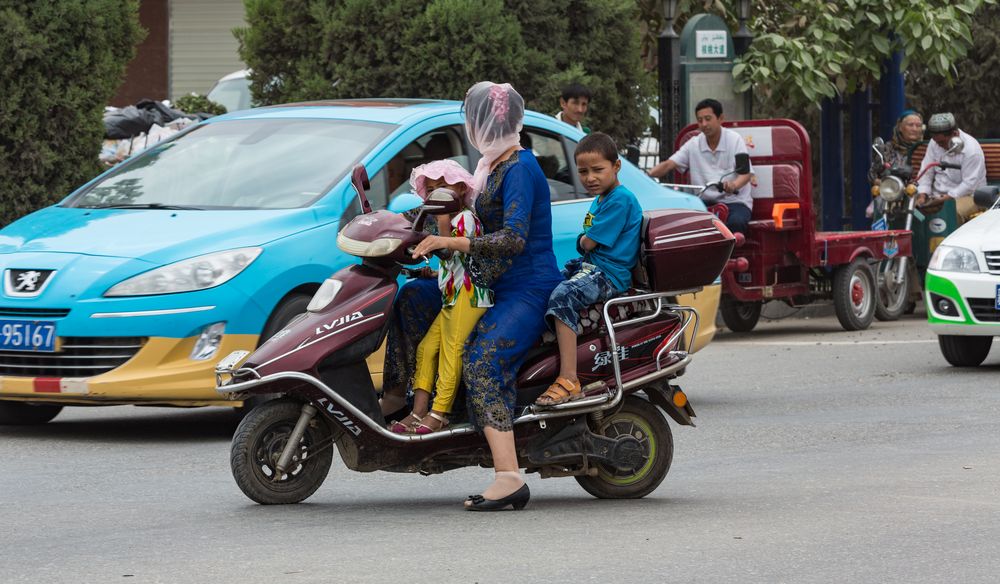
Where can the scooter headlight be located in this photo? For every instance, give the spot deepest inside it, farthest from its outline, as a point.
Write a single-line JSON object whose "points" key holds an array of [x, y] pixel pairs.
{"points": [[368, 249], [891, 189], [325, 295]]}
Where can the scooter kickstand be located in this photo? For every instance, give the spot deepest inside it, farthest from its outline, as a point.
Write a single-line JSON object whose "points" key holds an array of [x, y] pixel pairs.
{"points": [[308, 412]]}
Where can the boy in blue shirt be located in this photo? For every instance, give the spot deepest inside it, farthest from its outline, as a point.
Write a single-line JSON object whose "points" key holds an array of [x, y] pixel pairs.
{"points": [[609, 246]]}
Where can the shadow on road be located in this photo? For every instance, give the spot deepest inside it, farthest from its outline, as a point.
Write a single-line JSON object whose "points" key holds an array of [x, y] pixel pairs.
{"points": [[155, 425]]}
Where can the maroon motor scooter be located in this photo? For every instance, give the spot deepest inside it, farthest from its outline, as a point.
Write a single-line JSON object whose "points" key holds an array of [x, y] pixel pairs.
{"points": [[615, 441]]}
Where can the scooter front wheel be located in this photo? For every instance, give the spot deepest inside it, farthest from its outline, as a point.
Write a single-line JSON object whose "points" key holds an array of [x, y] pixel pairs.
{"points": [[258, 443], [644, 422]]}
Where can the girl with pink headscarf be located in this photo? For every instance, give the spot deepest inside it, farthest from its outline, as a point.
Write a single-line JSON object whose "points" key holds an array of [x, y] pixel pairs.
{"points": [[514, 258], [464, 300]]}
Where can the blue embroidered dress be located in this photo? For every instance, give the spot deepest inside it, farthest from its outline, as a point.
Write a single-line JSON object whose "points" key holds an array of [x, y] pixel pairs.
{"points": [[516, 260]]}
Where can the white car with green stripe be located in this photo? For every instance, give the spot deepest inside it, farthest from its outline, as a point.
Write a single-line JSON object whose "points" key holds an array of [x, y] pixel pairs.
{"points": [[963, 286]]}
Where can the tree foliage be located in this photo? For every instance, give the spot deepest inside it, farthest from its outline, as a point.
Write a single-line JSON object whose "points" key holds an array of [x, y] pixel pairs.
{"points": [[60, 63], [322, 49], [806, 50], [970, 98]]}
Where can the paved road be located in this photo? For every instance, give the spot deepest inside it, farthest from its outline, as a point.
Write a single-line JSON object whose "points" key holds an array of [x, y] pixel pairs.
{"points": [[814, 460]]}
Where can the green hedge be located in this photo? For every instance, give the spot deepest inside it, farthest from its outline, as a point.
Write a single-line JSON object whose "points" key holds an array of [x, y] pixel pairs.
{"points": [[323, 49], [60, 63]]}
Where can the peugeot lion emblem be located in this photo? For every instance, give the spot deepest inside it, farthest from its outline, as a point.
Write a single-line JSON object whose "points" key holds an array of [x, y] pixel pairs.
{"points": [[26, 282]]}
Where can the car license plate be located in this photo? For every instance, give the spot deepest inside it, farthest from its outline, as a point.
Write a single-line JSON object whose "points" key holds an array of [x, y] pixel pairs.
{"points": [[998, 297], [27, 335]]}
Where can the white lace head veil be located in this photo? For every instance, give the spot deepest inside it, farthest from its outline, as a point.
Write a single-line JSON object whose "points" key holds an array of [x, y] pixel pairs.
{"points": [[494, 115]]}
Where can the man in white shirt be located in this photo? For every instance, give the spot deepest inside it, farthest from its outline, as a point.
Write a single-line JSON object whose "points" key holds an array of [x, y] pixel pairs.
{"points": [[710, 156], [573, 104], [958, 183]]}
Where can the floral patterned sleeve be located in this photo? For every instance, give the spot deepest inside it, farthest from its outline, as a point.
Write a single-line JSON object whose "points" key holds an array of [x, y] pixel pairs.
{"points": [[509, 240]]}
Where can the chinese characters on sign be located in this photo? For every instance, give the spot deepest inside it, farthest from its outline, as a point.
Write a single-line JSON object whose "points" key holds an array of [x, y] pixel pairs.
{"points": [[711, 44]]}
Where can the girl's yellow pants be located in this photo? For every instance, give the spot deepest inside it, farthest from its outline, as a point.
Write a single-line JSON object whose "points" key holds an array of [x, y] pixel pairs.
{"points": [[439, 354]]}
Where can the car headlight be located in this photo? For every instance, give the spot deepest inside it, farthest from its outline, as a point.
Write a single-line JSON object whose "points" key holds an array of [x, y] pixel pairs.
{"points": [[948, 258], [208, 341], [197, 273], [891, 189], [325, 295]]}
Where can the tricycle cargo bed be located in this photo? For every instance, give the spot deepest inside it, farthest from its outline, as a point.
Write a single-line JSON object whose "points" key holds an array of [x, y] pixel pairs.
{"points": [[682, 249], [835, 248]]}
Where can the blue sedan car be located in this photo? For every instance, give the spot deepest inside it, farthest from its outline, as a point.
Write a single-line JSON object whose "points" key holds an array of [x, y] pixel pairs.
{"points": [[130, 289]]}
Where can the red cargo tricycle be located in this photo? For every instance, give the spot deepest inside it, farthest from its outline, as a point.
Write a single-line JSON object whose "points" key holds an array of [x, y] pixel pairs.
{"points": [[783, 256]]}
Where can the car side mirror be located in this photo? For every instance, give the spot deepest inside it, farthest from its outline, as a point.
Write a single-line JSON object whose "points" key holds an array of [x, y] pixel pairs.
{"points": [[632, 154], [986, 197], [742, 163], [404, 202]]}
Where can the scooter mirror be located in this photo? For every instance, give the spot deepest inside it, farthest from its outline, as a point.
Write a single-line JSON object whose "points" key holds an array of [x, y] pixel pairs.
{"points": [[742, 163], [404, 202], [879, 142], [359, 178], [442, 202], [955, 145], [986, 197]]}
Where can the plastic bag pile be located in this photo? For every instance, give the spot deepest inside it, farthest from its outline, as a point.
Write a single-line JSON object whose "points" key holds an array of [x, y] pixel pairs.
{"points": [[130, 130]]}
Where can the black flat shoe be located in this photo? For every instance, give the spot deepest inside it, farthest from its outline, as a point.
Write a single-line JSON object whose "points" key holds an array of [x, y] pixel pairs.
{"points": [[516, 501]]}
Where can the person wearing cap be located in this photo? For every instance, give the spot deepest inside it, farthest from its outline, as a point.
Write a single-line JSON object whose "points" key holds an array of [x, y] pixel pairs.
{"points": [[957, 183]]}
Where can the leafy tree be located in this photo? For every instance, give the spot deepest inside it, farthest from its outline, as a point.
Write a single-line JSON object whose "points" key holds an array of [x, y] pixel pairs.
{"points": [[414, 48], [60, 63], [970, 98], [806, 50]]}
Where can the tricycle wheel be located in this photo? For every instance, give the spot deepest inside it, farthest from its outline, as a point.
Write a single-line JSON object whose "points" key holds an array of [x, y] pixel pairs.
{"points": [[892, 297], [962, 351], [257, 445], [854, 296], [740, 317], [643, 421]]}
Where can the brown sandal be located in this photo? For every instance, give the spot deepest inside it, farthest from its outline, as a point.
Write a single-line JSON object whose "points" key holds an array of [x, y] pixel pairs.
{"points": [[560, 392]]}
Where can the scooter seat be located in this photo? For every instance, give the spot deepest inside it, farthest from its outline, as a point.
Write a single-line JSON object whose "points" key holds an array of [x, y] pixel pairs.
{"points": [[592, 317]]}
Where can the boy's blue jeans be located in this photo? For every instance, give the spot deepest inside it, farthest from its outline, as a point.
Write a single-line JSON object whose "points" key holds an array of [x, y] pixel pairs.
{"points": [[585, 285]]}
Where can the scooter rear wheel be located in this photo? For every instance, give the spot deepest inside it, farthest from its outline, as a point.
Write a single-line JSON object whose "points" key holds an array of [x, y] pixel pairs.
{"points": [[258, 443], [646, 424]]}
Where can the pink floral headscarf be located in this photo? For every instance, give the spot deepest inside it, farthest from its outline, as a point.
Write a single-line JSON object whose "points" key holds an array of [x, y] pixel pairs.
{"points": [[451, 171], [494, 116]]}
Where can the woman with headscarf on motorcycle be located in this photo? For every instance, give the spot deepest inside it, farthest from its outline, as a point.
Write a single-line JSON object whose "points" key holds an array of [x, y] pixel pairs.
{"points": [[906, 135], [514, 257]]}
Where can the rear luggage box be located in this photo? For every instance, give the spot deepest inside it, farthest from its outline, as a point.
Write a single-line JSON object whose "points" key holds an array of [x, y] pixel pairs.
{"points": [[681, 249]]}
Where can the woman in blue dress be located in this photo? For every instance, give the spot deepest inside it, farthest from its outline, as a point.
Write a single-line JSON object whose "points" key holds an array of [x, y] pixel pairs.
{"points": [[514, 258]]}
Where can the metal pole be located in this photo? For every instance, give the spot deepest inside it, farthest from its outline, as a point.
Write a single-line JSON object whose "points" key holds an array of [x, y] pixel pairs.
{"points": [[832, 163], [892, 95], [861, 142], [668, 59]]}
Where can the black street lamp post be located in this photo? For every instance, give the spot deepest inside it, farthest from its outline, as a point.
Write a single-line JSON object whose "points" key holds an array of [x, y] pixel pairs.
{"points": [[741, 42], [668, 68]]}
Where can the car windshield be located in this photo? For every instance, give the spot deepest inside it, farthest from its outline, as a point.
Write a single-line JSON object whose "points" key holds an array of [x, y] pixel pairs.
{"points": [[238, 164]]}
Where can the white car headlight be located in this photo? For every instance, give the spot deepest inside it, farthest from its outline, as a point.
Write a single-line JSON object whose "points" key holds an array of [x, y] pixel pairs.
{"points": [[948, 258], [197, 273]]}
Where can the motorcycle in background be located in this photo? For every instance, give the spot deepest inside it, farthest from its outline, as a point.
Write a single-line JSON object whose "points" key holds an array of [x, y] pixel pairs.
{"points": [[899, 278]]}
